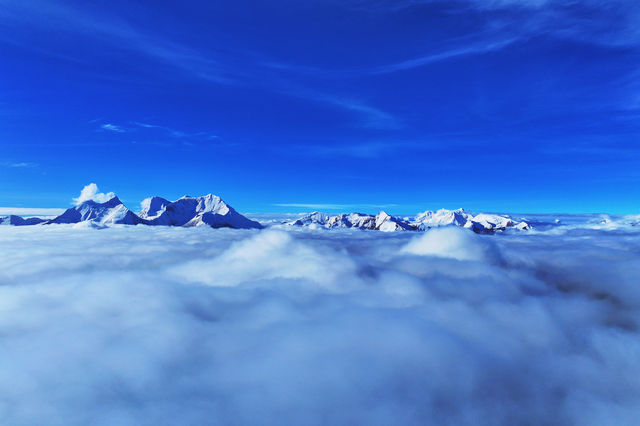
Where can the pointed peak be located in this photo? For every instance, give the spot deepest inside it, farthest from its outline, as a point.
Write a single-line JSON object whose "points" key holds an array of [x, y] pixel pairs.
{"points": [[113, 201], [212, 197]]}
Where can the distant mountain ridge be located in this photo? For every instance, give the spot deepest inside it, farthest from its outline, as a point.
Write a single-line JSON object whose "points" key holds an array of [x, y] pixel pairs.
{"points": [[20, 221], [481, 223], [210, 210]]}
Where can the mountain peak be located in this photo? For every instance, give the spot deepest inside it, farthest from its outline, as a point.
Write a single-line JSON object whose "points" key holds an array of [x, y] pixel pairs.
{"points": [[208, 210], [110, 212]]}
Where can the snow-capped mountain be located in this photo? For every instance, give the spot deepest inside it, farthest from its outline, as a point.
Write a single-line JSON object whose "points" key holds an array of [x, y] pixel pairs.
{"points": [[442, 217], [481, 223], [314, 220], [111, 212], [209, 210], [491, 222], [380, 222], [19, 221], [387, 223]]}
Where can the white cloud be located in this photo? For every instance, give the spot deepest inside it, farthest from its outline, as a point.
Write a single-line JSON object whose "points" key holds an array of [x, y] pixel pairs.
{"points": [[177, 133], [452, 242], [272, 255], [476, 49], [148, 325], [112, 128], [90, 192]]}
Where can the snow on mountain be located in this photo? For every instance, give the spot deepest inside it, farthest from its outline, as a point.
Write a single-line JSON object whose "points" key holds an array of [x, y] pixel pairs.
{"points": [[388, 223], [481, 223], [209, 210], [352, 220], [381, 222], [314, 219], [442, 217], [19, 221], [110, 212]]}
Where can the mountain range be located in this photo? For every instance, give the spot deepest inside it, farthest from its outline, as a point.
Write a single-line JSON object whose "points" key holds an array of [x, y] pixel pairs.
{"points": [[210, 210], [20, 221], [482, 223]]}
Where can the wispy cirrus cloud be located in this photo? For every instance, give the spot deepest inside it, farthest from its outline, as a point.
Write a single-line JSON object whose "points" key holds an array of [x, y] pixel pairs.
{"points": [[215, 67], [602, 22], [112, 128], [176, 133], [135, 127], [443, 56], [455, 50], [331, 206], [369, 115], [115, 32], [608, 23], [377, 148], [19, 164]]}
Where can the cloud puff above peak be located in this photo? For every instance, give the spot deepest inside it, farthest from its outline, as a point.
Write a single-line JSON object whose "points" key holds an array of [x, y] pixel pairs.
{"points": [[91, 192]]}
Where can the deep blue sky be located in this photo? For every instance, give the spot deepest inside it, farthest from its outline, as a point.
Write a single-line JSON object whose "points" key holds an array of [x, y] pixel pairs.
{"points": [[495, 105]]}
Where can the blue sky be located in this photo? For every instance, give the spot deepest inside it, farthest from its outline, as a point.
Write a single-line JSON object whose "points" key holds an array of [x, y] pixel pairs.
{"points": [[495, 105]]}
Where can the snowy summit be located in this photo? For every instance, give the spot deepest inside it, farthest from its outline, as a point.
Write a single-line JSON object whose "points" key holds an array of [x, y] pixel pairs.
{"points": [[111, 212], [209, 210]]}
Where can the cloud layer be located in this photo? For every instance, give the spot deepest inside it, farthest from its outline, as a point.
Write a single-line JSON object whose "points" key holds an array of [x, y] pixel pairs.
{"points": [[143, 325]]}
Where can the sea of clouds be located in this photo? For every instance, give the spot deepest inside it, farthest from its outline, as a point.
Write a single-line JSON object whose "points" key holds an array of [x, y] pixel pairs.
{"points": [[158, 325]]}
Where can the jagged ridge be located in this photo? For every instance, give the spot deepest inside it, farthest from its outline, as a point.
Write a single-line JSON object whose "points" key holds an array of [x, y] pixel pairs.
{"points": [[19, 221], [111, 212], [481, 223], [209, 210]]}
